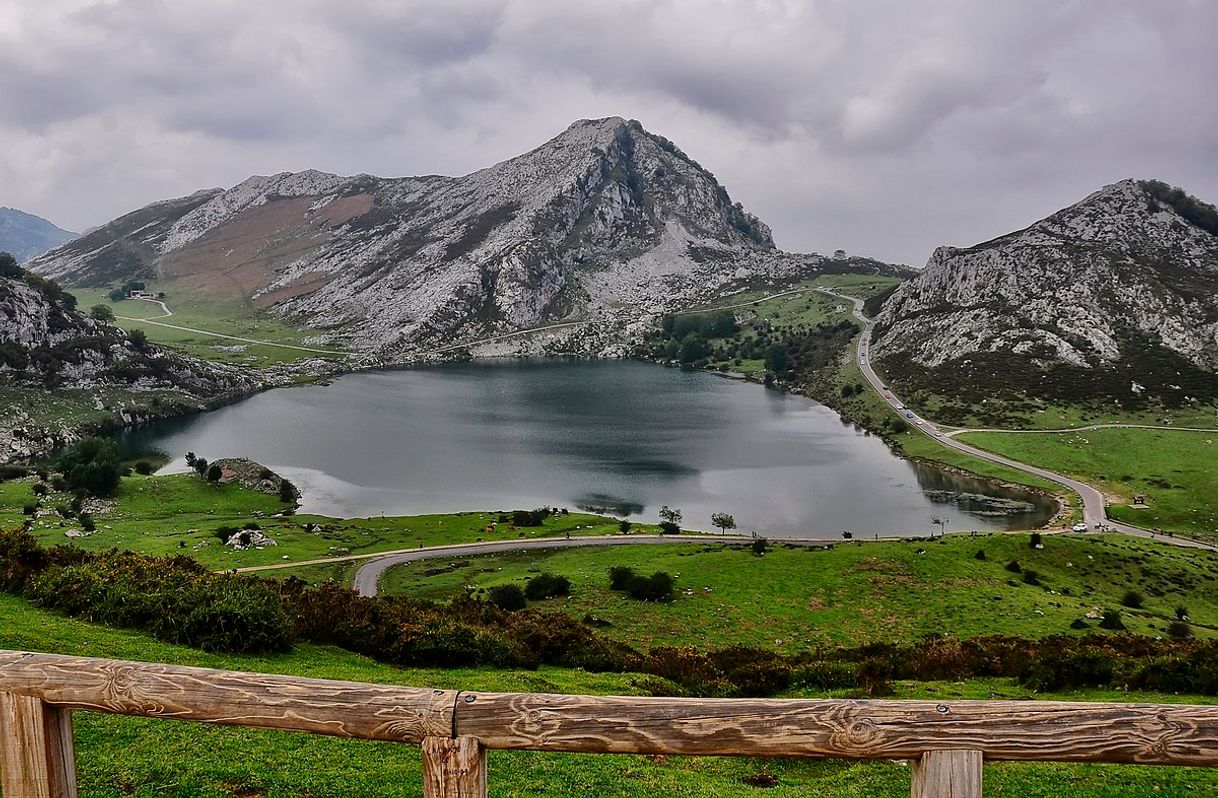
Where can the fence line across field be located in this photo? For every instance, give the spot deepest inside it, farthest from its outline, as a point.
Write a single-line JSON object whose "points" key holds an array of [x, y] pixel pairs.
{"points": [[947, 742]]}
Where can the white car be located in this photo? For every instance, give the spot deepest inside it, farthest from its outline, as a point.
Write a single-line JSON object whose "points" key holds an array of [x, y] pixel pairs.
{"points": [[919, 422], [1079, 528]]}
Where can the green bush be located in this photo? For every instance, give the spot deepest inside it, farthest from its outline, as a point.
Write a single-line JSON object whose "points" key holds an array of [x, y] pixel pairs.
{"points": [[620, 576], [91, 465], [507, 597], [1132, 599], [1111, 620], [143, 467], [657, 587], [544, 586]]}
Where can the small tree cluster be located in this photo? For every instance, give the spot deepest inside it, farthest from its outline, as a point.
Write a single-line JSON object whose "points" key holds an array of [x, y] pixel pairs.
{"points": [[657, 587]]}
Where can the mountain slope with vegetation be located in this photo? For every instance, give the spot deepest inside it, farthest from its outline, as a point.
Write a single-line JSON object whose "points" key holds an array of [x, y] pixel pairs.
{"points": [[49, 350], [604, 222], [1113, 300]]}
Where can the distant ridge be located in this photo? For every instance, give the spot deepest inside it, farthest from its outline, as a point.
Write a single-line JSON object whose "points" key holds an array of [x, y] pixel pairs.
{"points": [[25, 236]]}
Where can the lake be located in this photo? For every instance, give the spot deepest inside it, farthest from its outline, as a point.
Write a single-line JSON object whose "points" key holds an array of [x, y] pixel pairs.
{"points": [[615, 436]]}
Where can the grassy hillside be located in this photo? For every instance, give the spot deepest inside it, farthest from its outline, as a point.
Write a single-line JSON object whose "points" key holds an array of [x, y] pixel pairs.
{"points": [[226, 316], [180, 513], [1176, 471], [121, 756], [795, 598]]}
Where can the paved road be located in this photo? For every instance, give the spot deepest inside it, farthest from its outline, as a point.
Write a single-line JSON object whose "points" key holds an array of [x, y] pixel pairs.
{"points": [[1094, 511], [955, 432], [369, 576]]}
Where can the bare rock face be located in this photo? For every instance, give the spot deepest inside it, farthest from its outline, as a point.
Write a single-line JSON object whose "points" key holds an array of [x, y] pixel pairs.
{"points": [[603, 217], [1122, 282]]}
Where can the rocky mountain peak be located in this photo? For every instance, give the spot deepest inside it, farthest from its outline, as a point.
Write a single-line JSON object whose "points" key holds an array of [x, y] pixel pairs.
{"points": [[1124, 281], [604, 215]]}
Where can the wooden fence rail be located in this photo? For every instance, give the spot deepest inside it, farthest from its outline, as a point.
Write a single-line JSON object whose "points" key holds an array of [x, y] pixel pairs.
{"points": [[946, 742]]}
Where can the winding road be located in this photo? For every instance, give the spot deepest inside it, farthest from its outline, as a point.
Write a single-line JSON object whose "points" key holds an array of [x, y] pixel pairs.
{"points": [[369, 575], [1095, 514]]}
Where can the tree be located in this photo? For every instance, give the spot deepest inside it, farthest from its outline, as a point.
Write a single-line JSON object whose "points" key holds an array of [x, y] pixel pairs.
{"points": [[214, 472], [191, 459], [724, 521], [287, 491], [117, 295], [138, 338], [201, 465], [101, 313], [92, 465], [623, 526], [9, 267], [670, 514]]}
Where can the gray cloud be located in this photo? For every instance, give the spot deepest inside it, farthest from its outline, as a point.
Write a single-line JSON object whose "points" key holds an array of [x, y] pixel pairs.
{"points": [[885, 127]]}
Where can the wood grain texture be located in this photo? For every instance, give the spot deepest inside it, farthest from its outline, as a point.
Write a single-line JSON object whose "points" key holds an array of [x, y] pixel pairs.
{"points": [[1002, 730], [234, 698], [37, 759], [454, 768], [947, 774]]}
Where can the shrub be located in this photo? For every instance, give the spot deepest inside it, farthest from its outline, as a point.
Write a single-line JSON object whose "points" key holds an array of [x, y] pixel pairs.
{"points": [[669, 528], [41, 489], [1132, 599], [1078, 623], [1181, 613], [1179, 630], [544, 586], [1031, 578], [29, 508], [226, 532], [1034, 541], [530, 517], [507, 597], [1014, 567], [9, 472], [623, 526], [760, 546], [620, 576], [1111, 619], [287, 491], [657, 587], [91, 465], [143, 467], [86, 522], [980, 555]]}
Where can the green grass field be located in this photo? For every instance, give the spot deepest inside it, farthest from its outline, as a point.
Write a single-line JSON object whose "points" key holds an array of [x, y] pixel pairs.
{"points": [[123, 756], [1176, 471], [796, 598], [179, 514], [234, 317]]}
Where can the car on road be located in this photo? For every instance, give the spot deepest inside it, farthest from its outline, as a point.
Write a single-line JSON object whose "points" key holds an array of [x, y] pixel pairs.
{"points": [[920, 422], [1079, 528], [907, 413]]}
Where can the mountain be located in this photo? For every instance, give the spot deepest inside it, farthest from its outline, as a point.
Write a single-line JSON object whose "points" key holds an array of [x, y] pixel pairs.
{"points": [[1114, 297], [48, 347], [25, 235], [605, 222]]}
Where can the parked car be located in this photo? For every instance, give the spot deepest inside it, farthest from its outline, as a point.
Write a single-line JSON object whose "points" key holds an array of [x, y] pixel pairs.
{"points": [[1079, 528]]}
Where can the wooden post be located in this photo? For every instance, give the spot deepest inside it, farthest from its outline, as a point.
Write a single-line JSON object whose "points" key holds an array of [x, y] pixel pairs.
{"points": [[454, 768], [947, 774], [37, 759]]}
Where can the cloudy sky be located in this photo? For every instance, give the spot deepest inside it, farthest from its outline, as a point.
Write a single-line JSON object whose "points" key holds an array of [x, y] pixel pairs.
{"points": [[882, 127]]}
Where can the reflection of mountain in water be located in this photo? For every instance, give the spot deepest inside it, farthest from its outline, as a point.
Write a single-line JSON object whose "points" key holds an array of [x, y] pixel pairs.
{"points": [[978, 504], [608, 505], [982, 498]]}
